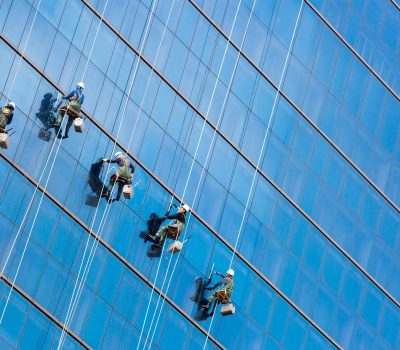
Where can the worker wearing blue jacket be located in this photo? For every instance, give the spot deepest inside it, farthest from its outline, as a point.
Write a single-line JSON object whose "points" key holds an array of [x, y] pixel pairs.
{"points": [[73, 108]]}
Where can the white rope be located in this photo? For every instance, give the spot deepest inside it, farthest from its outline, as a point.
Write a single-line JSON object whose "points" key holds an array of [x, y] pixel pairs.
{"points": [[209, 328], [172, 196], [51, 150], [264, 140], [23, 50], [274, 106], [187, 181], [73, 301], [31, 229], [37, 186], [79, 290], [208, 154]]}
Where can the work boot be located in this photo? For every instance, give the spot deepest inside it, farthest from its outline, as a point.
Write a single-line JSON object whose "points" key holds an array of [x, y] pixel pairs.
{"points": [[65, 136]]}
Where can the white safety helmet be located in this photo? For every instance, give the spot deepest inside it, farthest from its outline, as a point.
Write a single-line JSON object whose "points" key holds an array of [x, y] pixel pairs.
{"points": [[230, 272], [12, 104], [81, 85], [185, 207], [118, 154]]}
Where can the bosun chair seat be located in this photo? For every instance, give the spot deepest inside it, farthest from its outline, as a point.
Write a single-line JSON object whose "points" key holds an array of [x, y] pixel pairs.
{"points": [[222, 296], [173, 232], [70, 111], [227, 307]]}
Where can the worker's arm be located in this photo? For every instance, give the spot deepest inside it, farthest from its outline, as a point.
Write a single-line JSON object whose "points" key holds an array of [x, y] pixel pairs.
{"points": [[177, 216], [132, 168], [105, 160], [223, 282], [69, 95], [220, 283]]}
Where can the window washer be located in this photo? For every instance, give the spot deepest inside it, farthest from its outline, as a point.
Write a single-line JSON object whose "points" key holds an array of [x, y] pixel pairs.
{"points": [[123, 175], [6, 116], [222, 294], [73, 108], [172, 230]]}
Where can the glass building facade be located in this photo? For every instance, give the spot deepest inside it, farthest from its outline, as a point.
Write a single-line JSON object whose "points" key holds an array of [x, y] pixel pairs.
{"points": [[276, 121]]}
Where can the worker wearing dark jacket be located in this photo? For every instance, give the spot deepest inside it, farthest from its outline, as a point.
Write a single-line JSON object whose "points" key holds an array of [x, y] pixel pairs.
{"points": [[6, 115], [178, 225], [225, 286]]}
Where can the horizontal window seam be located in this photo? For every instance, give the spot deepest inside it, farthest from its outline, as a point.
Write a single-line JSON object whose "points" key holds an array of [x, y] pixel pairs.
{"points": [[320, 229], [308, 120], [105, 245], [44, 311], [211, 229]]}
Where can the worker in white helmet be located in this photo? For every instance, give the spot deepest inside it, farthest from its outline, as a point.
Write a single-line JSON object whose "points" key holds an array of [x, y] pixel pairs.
{"points": [[6, 115], [73, 108], [177, 226], [225, 285], [123, 175]]}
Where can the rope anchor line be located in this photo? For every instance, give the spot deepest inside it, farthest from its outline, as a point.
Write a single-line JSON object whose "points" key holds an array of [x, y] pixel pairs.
{"points": [[78, 287], [203, 169]]}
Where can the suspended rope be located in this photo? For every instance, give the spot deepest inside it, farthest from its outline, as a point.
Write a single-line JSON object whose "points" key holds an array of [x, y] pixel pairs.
{"points": [[36, 187], [187, 181], [75, 296], [273, 110], [23, 50], [209, 330], [172, 197]]}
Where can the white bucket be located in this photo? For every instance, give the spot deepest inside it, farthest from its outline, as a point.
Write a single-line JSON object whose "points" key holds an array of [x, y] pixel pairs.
{"points": [[175, 247], [4, 140], [227, 309], [78, 124], [128, 191]]}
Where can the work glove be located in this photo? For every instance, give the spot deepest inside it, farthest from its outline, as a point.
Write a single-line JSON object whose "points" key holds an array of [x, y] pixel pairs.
{"points": [[131, 176]]}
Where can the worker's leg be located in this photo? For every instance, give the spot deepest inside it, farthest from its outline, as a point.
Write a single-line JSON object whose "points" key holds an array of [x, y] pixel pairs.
{"points": [[162, 234], [106, 194], [212, 298], [69, 124], [57, 124], [215, 303], [120, 188]]}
